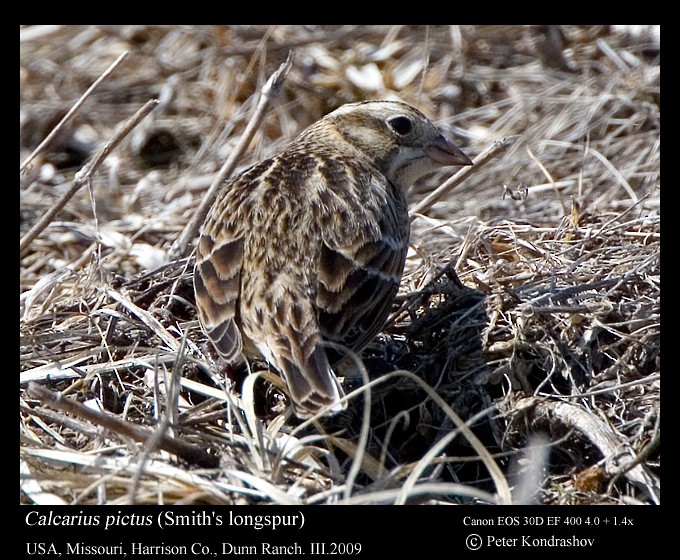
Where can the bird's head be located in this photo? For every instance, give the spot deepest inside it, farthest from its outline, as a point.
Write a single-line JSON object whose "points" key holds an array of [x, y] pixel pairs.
{"points": [[395, 137]]}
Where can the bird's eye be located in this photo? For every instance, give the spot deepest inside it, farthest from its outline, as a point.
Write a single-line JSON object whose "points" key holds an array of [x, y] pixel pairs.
{"points": [[401, 125]]}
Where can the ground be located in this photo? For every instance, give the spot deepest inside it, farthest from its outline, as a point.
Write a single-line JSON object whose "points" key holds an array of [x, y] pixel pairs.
{"points": [[522, 361]]}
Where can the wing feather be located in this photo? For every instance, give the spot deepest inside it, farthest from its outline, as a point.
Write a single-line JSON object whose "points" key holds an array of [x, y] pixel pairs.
{"points": [[217, 279], [360, 268]]}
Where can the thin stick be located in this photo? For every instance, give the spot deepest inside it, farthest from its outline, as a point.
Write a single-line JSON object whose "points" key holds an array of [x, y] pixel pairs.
{"points": [[482, 159], [162, 429], [51, 136], [85, 173], [188, 451], [269, 91]]}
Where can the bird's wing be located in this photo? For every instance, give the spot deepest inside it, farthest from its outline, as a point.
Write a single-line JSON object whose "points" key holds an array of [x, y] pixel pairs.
{"points": [[361, 264], [217, 279]]}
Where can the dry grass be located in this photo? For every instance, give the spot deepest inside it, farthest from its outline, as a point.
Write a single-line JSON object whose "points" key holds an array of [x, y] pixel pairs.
{"points": [[522, 361]]}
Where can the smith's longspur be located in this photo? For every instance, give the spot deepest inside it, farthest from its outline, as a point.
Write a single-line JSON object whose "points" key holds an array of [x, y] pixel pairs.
{"points": [[308, 247]]}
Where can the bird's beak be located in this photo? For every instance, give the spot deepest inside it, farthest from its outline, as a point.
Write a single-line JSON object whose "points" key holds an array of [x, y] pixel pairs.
{"points": [[444, 152]]}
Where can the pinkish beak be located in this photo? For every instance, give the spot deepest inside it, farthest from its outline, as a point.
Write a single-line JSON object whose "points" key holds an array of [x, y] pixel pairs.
{"points": [[445, 153]]}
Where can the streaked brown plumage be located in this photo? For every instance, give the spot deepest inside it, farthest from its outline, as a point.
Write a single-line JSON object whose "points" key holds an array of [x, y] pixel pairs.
{"points": [[309, 246]]}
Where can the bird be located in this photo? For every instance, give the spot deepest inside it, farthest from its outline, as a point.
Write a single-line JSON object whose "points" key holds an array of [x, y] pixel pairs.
{"points": [[303, 253]]}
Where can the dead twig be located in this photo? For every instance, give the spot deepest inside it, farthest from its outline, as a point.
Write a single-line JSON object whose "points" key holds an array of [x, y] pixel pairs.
{"points": [[163, 428], [618, 455], [78, 104], [189, 452], [270, 90], [85, 173], [482, 159]]}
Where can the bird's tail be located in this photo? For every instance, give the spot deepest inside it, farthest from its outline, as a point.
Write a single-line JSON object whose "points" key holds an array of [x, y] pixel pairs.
{"points": [[313, 385]]}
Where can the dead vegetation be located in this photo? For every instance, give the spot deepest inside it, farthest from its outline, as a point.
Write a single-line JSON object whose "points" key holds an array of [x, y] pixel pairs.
{"points": [[522, 361]]}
